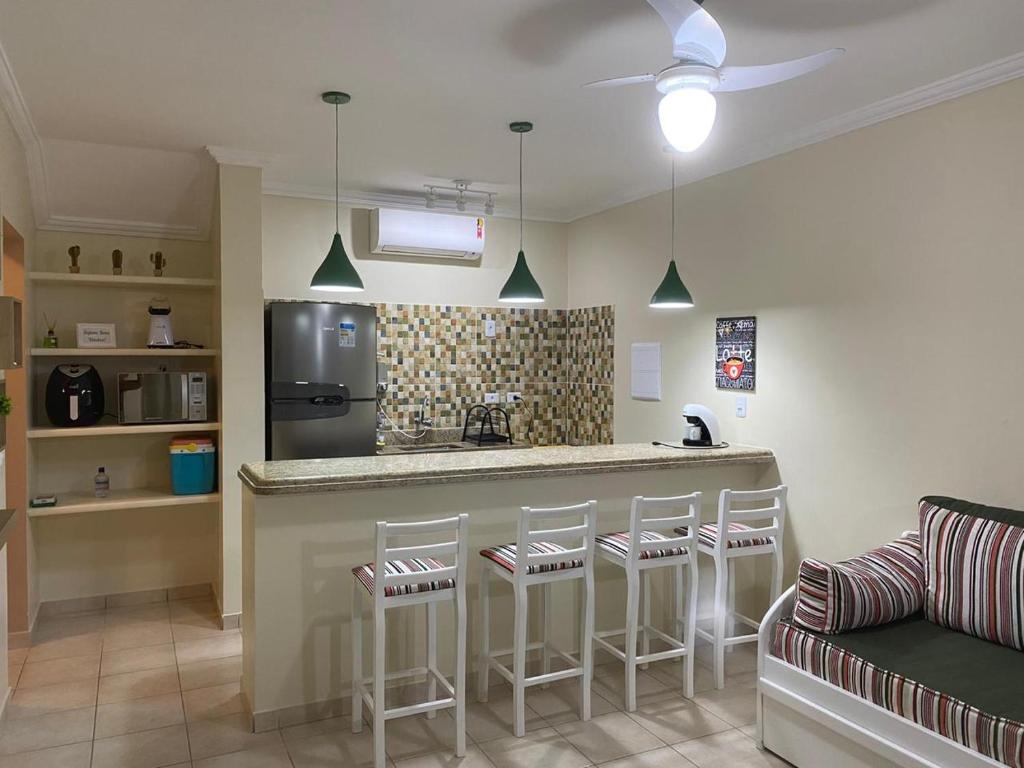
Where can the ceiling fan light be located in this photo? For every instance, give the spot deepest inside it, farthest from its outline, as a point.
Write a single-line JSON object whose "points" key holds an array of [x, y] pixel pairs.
{"points": [[687, 116]]}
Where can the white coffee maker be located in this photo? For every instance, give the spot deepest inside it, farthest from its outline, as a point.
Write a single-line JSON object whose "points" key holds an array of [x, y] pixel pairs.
{"points": [[160, 334], [702, 430]]}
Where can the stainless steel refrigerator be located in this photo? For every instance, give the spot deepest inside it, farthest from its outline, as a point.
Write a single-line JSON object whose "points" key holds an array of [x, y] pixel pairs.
{"points": [[321, 380]]}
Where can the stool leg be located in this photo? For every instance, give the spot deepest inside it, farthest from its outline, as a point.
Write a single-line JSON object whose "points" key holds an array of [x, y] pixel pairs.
{"points": [[632, 611], [460, 672], [731, 609], [587, 640], [357, 655], [431, 656], [721, 591], [519, 661], [690, 638], [547, 629], [645, 600], [483, 664], [379, 643], [680, 617]]}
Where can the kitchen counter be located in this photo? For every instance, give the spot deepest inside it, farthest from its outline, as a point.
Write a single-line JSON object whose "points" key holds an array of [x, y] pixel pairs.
{"points": [[268, 478]]}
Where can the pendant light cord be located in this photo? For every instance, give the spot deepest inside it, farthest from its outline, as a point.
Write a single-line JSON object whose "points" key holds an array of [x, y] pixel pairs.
{"points": [[337, 169], [520, 191], [672, 247]]}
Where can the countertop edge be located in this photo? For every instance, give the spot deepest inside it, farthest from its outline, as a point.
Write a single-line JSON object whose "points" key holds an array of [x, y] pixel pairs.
{"points": [[308, 485]]}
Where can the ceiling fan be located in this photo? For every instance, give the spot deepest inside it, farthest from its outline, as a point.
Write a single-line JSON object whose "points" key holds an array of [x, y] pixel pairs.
{"points": [[688, 107]]}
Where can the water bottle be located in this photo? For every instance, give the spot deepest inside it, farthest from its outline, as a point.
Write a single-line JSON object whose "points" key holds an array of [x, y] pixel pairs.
{"points": [[101, 484]]}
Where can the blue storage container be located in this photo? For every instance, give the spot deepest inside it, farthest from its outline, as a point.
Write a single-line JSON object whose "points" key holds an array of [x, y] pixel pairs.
{"points": [[193, 465]]}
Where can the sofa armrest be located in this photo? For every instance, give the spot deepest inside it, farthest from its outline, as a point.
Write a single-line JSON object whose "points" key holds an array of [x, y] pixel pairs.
{"points": [[782, 608]]}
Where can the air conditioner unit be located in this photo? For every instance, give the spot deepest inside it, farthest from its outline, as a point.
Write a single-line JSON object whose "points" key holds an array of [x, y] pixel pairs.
{"points": [[420, 233]]}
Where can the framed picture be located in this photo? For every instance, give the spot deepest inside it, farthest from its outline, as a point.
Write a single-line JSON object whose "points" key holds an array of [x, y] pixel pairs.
{"points": [[96, 335], [736, 353]]}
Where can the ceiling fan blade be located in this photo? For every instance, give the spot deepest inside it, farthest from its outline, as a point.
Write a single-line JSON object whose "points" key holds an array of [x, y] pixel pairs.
{"points": [[616, 81], [696, 35], [747, 78]]}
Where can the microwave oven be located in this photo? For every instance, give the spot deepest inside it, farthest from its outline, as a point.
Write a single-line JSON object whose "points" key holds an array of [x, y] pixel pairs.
{"points": [[162, 398]]}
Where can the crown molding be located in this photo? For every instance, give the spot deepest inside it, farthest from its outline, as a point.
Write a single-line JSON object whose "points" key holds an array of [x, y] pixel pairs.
{"points": [[232, 156], [98, 226], [14, 105], [977, 79]]}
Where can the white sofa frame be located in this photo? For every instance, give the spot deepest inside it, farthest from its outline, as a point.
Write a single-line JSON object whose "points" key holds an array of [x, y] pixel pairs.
{"points": [[800, 715]]}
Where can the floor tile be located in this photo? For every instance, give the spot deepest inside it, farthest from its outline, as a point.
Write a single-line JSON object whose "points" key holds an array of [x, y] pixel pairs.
{"points": [[537, 748], [136, 659], [138, 715], [192, 627], [215, 701], [46, 699], [228, 644], [203, 674], [136, 635], [89, 644], [609, 737], [339, 748], [413, 736], [474, 758], [13, 673], [671, 675], [648, 688], [222, 735], [741, 660], [332, 725], [68, 756], [730, 749], [53, 730], [678, 719], [559, 702], [736, 704], [493, 719], [59, 671], [146, 597], [270, 756], [137, 685], [666, 757], [138, 614], [145, 749], [17, 655], [201, 606], [63, 627]]}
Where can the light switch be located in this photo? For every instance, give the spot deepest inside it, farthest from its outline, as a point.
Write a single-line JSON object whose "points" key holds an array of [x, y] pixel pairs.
{"points": [[490, 330], [741, 406]]}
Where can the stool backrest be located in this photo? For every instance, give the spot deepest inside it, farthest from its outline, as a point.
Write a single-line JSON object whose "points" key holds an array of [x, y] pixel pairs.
{"points": [[773, 514], [643, 516], [577, 539], [454, 551]]}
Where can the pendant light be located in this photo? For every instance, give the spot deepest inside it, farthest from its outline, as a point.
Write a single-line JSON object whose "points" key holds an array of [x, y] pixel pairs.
{"points": [[521, 286], [672, 294], [336, 273]]}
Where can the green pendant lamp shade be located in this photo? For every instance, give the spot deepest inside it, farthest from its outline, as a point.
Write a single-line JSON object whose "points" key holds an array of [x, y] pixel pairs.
{"points": [[521, 286], [672, 293], [336, 272]]}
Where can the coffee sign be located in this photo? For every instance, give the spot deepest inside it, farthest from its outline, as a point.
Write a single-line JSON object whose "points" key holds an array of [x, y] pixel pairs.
{"points": [[736, 353]]}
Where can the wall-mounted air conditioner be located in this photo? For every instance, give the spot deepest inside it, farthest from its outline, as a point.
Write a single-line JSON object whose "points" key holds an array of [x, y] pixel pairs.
{"points": [[421, 233]]}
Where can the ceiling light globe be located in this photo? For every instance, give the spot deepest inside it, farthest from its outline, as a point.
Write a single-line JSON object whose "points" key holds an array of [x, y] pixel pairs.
{"points": [[687, 117]]}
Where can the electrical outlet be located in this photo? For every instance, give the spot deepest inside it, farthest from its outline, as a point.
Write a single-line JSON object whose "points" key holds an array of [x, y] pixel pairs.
{"points": [[741, 406], [490, 329], [513, 397], [490, 398]]}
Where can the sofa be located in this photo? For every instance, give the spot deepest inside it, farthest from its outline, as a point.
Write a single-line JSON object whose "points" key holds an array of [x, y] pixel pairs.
{"points": [[911, 655]]}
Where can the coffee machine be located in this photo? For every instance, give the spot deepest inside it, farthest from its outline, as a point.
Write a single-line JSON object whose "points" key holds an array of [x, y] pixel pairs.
{"points": [[702, 430]]}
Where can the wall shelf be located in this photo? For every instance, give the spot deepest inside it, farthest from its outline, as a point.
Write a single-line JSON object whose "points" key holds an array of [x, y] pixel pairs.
{"points": [[138, 498], [106, 430], [122, 281], [120, 352]]}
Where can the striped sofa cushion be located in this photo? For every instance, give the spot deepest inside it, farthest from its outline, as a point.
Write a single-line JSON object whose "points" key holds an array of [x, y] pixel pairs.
{"points": [[880, 586], [974, 568]]}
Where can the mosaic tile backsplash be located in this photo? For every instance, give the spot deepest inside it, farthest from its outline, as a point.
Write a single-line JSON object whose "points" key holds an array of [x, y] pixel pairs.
{"points": [[562, 361]]}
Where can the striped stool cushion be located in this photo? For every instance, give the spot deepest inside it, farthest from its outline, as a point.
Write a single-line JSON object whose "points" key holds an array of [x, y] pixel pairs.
{"points": [[875, 588], [618, 545], [707, 535], [420, 565], [505, 556]]}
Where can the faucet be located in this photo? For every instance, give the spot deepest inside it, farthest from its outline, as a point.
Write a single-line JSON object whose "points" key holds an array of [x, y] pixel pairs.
{"points": [[422, 419]]}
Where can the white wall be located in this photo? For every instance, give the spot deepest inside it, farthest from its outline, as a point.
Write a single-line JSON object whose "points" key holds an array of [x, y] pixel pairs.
{"points": [[297, 234], [885, 268]]}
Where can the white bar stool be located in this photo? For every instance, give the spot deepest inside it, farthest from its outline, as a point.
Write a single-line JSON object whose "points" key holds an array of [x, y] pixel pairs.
{"points": [[412, 576], [545, 562], [638, 551], [740, 540]]}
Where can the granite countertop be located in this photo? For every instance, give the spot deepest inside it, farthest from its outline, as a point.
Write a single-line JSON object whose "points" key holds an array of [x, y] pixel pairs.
{"points": [[268, 478]]}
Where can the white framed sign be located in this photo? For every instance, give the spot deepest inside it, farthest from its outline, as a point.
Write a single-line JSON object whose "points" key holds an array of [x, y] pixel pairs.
{"points": [[96, 335]]}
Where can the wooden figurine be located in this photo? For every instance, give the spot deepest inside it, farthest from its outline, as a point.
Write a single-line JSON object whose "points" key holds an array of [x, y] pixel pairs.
{"points": [[74, 252], [117, 258], [159, 262]]}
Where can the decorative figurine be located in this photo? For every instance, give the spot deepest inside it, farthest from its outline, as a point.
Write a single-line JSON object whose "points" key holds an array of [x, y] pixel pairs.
{"points": [[117, 258], [74, 252], [50, 339], [159, 262]]}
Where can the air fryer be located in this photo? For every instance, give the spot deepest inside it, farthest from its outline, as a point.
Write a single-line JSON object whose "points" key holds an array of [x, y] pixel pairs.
{"points": [[74, 396]]}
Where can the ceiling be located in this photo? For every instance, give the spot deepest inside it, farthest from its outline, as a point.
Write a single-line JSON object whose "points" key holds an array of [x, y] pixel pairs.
{"points": [[434, 85]]}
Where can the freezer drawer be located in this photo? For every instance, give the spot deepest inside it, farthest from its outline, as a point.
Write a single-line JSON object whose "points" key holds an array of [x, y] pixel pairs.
{"points": [[333, 436]]}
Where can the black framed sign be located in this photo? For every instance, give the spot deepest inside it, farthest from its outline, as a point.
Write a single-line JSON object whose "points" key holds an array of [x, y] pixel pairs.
{"points": [[736, 353]]}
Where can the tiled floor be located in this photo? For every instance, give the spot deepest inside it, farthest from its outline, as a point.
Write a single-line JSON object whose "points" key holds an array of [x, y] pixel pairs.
{"points": [[158, 685]]}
